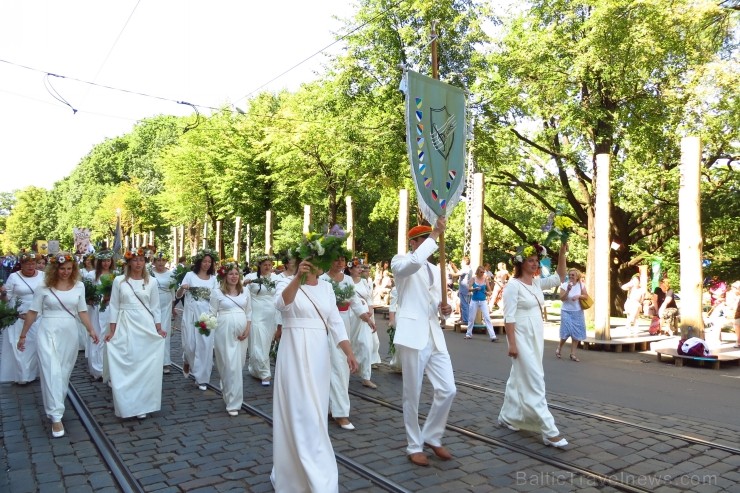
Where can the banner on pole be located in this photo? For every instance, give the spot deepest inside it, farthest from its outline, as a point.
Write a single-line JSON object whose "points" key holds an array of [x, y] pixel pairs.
{"points": [[435, 129]]}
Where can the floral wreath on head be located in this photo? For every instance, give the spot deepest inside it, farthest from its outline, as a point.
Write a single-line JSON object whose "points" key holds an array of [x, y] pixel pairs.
{"points": [[261, 258], [104, 255], [354, 262], [60, 258], [23, 256], [134, 252], [203, 253], [160, 256], [226, 266], [90, 255], [528, 251]]}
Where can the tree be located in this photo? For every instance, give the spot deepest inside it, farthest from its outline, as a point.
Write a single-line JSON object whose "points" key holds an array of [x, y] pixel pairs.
{"points": [[574, 79], [29, 221]]}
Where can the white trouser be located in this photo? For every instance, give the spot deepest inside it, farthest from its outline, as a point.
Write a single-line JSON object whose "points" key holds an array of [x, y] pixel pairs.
{"points": [[438, 368], [473, 313]]}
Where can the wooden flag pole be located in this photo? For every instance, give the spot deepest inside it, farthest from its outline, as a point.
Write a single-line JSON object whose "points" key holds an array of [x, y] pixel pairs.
{"points": [[441, 239]]}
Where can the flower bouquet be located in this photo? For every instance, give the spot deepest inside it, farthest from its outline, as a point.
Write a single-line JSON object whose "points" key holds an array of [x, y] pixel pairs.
{"points": [[178, 275], [200, 293], [558, 226], [104, 289], [266, 282], [391, 335], [343, 294], [205, 324], [322, 250], [92, 296], [9, 313]]}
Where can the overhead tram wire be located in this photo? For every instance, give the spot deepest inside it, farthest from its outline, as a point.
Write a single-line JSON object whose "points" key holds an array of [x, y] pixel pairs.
{"points": [[392, 6], [120, 33], [160, 98]]}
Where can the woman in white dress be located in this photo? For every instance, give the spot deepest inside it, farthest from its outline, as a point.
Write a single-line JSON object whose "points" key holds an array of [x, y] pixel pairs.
{"points": [[98, 318], [231, 306], [16, 366], [375, 358], [302, 454], [164, 278], [525, 405], [60, 302], [339, 405], [265, 318], [196, 287], [360, 333], [133, 358]]}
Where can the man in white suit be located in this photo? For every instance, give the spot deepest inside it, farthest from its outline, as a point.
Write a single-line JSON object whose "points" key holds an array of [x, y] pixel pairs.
{"points": [[420, 342]]}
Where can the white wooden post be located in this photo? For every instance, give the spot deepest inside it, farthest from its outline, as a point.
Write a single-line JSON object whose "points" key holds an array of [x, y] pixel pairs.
{"points": [[602, 269], [690, 239]]}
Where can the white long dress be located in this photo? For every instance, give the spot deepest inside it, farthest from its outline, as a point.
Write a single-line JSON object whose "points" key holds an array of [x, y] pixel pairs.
{"points": [[166, 297], [339, 405], [134, 354], [525, 404], [232, 313], [99, 322], [265, 319], [302, 454], [20, 366], [197, 348], [360, 333], [57, 340]]}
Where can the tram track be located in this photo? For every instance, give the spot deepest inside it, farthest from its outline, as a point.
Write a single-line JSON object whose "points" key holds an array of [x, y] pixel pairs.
{"points": [[593, 477], [374, 477], [616, 421], [122, 475]]}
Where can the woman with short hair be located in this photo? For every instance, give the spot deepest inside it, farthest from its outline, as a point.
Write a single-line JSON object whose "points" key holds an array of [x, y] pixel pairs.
{"points": [[572, 319]]}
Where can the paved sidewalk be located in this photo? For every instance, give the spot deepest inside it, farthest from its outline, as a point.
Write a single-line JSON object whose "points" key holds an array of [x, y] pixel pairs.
{"points": [[193, 445]]}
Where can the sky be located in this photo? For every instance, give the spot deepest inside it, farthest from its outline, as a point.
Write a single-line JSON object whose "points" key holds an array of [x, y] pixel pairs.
{"points": [[207, 52]]}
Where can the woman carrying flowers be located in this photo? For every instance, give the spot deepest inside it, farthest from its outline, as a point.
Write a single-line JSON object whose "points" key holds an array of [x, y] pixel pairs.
{"points": [[339, 405], [135, 338], [361, 334], [196, 287], [16, 366], [265, 318], [231, 306], [60, 302], [525, 405], [103, 273], [164, 278], [302, 454]]}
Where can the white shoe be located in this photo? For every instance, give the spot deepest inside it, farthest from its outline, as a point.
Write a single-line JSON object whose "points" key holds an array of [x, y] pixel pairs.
{"points": [[266, 383], [348, 426], [203, 387], [57, 434], [141, 416], [166, 370], [233, 413], [559, 444]]}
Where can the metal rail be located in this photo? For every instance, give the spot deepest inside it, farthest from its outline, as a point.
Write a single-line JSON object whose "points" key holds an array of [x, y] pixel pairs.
{"points": [[609, 419], [121, 473], [594, 477], [365, 472]]}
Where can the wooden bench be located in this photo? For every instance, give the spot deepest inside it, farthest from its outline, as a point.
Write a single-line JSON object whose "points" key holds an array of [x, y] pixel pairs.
{"points": [[712, 361]]}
